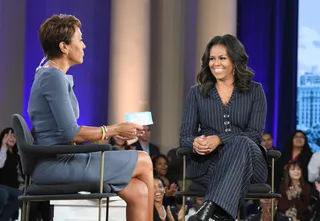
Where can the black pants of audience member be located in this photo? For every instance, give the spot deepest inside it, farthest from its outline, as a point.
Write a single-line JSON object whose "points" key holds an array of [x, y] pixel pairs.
{"points": [[41, 211]]}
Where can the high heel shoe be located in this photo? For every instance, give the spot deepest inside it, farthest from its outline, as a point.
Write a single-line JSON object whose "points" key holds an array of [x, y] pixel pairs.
{"points": [[205, 212]]}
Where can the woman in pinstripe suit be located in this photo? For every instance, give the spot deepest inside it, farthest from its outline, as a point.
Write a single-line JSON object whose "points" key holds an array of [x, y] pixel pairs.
{"points": [[223, 122]]}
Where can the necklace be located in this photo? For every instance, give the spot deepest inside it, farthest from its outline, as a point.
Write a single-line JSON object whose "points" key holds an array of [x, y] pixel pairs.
{"points": [[165, 213], [56, 65]]}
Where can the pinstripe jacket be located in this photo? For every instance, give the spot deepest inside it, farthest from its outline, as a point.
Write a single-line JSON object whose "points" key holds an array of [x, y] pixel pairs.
{"points": [[244, 115]]}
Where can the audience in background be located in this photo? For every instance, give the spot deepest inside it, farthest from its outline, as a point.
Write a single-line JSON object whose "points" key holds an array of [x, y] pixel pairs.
{"points": [[295, 193], [162, 212], [160, 167], [144, 143], [9, 175], [9, 203], [119, 143], [265, 212], [297, 150], [314, 167], [267, 141]]}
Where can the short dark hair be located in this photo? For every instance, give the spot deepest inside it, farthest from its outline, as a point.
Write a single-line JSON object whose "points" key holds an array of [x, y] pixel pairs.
{"points": [[56, 29], [267, 133], [238, 56]]}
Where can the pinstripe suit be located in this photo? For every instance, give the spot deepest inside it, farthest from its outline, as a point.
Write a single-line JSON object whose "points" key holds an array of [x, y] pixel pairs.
{"points": [[239, 161]]}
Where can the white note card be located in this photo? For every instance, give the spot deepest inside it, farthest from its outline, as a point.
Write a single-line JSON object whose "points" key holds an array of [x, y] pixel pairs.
{"points": [[141, 118]]}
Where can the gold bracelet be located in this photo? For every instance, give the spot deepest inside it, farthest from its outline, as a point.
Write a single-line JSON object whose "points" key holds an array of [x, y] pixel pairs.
{"points": [[106, 131], [103, 133]]}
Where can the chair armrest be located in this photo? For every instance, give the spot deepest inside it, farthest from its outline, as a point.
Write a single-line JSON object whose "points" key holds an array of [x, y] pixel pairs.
{"points": [[66, 149], [273, 154], [184, 151]]}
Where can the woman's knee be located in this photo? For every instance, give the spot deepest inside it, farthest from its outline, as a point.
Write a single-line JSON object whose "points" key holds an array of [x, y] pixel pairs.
{"points": [[144, 161]]}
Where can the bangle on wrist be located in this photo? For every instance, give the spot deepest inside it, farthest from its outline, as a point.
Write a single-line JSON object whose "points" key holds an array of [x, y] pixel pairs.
{"points": [[103, 131], [106, 130]]}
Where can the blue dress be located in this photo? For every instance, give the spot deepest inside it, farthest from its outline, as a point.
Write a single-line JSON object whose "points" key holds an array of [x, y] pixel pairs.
{"points": [[53, 110]]}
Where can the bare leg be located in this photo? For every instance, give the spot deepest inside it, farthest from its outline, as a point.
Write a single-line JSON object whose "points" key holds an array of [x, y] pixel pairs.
{"points": [[144, 172], [136, 196]]}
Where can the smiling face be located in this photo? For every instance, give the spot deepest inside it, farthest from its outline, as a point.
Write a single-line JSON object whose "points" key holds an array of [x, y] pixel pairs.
{"points": [[12, 140], [295, 172], [158, 190], [161, 166], [220, 63]]}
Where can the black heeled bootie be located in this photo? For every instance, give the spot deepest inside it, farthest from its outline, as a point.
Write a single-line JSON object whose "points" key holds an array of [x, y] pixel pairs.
{"points": [[205, 212]]}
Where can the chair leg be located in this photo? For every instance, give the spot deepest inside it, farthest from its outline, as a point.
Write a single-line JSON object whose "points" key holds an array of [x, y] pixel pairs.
{"points": [[272, 209], [100, 209], [107, 209], [23, 211], [184, 186], [239, 216], [28, 211]]}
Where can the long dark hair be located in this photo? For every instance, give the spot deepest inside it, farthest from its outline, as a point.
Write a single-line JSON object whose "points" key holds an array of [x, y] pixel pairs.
{"points": [[237, 54], [306, 150], [4, 132], [286, 176]]}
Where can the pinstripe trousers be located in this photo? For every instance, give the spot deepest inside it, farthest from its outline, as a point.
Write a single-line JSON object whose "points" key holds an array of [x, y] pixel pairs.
{"points": [[227, 173]]}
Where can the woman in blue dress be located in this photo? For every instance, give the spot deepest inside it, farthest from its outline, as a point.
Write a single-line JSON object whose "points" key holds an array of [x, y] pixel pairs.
{"points": [[53, 110]]}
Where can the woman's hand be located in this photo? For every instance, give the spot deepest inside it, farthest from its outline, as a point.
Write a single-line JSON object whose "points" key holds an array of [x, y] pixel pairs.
{"points": [[182, 213], [205, 145], [6, 138], [171, 190], [169, 214], [200, 145], [129, 130], [289, 194], [213, 142]]}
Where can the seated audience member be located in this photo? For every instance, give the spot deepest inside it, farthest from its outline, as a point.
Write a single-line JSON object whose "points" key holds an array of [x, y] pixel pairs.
{"points": [[9, 159], [297, 150], [197, 204], [265, 212], [267, 141], [10, 170], [144, 144], [160, 166], [314, 167], [161, 212], [295, 193], [9, 203]]}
